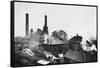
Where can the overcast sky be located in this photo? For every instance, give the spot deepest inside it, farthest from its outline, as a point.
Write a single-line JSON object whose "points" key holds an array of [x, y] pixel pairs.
{"points": [[72, 19]]}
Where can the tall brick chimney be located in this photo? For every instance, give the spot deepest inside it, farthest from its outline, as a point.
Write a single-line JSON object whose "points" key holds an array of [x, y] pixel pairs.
{"points": [[27, 24], [45, 28]]}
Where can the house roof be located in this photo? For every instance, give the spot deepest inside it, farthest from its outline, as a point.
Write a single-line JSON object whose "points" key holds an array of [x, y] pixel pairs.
{"points": [[74, 55]]}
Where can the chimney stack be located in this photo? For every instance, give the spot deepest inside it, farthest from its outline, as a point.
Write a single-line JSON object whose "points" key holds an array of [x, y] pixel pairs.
{"points": [[45, 28], [45, 20], [27, 24]]}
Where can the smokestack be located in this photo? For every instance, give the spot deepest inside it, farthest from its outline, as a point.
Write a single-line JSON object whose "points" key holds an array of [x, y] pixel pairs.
{"points": [[45, 28], [27, 24], [45, 20]]}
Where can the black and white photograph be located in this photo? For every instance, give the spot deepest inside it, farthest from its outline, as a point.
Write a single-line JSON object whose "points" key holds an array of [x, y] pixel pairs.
{"points": [[44, 33]]}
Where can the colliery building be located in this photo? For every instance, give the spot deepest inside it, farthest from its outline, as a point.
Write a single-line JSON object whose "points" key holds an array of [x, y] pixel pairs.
{"points": [[57, 45]]}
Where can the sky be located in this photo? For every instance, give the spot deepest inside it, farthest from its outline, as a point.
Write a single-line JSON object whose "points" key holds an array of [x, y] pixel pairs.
{"points": [[72, 19]]}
